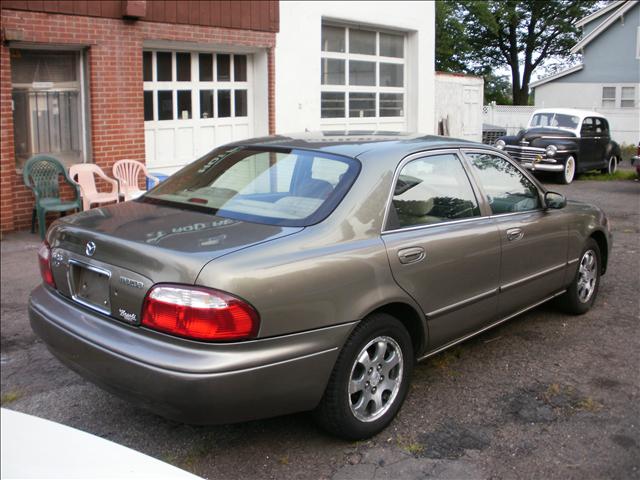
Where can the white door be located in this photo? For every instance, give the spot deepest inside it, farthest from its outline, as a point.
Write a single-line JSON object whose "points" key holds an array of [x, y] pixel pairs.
{"points": [[194, 102], [472, 114]]}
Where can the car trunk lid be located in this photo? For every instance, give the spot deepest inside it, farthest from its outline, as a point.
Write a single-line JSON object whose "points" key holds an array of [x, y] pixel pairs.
{"points": [[107, 258]]}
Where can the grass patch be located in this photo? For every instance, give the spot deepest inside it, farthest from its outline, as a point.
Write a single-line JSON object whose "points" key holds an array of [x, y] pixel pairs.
{"points": [[9, 397], [410, 446], [588, 404], [604, 177]]}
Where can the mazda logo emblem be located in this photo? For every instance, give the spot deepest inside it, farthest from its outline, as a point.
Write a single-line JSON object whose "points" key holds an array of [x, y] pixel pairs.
{"points": [[90, 249]]}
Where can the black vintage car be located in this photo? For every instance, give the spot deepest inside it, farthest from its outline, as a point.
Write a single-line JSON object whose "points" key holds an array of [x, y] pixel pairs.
{"points": [[564, 141]]}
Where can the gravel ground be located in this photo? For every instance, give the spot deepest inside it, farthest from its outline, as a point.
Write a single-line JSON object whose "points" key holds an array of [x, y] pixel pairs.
{"points": [[543, 396]]}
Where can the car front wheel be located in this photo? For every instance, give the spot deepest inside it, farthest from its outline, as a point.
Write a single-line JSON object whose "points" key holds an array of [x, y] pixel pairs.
{"points": [[582, 292], [569, 171], [370, 379], [612, 166]]}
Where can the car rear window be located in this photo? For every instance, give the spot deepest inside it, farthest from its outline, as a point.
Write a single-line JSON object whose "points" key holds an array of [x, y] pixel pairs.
{"points": [[287, 187]]}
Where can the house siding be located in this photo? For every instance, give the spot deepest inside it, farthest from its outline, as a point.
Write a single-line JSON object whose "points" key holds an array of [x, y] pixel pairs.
{"points": [[611, 57]]}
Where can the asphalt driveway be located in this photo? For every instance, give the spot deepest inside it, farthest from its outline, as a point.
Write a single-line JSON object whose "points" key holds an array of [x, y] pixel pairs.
{"points": [[543, 396]]}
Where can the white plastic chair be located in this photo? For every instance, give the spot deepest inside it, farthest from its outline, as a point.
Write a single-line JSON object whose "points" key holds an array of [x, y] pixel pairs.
{"points": [[83, 175], [127, 173]]}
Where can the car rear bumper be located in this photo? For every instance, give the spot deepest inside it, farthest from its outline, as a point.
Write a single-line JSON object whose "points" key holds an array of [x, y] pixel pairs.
{"points": [[192, 382]]}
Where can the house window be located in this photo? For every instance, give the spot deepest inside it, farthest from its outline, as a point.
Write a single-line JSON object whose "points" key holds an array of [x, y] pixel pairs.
{"points": [[48, 105], [628, 97], [362, 73], [609, 97], [189, 85]]}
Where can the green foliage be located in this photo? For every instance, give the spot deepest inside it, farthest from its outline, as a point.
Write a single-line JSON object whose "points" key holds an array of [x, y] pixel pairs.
{"points": [[497, 88], [477, 36]]}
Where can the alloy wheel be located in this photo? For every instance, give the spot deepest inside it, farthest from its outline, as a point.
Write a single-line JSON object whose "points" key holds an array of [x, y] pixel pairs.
{"points": [[587, 276], [375, 379]]}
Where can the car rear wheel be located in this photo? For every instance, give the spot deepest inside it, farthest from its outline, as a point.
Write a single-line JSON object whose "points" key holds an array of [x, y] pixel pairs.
{"points": [[569, 171], [612, 166], [582, 292], [370, 379]]}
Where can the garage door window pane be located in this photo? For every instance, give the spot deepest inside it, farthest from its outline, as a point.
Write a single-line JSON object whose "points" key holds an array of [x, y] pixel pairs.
{"points": [[333, 39], [224, 103], [206, 103], [391, 105], [362, 73], [183, 65], [224, 68], [147, 67], [391, 45], [362, 41], [240, 68], [205, 61], [391, 75], [163, 66], [362, 104], [148, 105], [184, 104], [507, 189], [240, 98], [432, 190], [332, 105], [332, 72], [165, 105]]}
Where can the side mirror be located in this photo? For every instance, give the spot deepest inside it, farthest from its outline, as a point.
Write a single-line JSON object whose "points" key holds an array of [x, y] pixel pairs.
{"points": [[554, 200]]}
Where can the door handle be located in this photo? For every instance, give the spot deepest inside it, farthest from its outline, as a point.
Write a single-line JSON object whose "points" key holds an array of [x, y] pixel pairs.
{"points": [[514, 234], [411, 255]]}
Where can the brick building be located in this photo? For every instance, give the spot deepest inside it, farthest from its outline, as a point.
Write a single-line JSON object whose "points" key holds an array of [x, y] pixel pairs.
{"points": [[96, 81], [164, 82]]}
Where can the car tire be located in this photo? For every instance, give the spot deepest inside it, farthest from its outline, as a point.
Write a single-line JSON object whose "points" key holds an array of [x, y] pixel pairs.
{"points": [[582, 292], [569, 172], [376, 362], [612, 166]]}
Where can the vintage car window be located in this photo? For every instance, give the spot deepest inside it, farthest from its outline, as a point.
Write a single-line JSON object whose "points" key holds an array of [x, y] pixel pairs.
{"points": [[588, 126], [284, 187], [431, 190], [557, 120], [506, 188], [601, 125]]}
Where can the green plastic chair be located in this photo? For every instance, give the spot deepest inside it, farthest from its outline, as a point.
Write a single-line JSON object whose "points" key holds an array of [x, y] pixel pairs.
{"points": [[41, 174]]}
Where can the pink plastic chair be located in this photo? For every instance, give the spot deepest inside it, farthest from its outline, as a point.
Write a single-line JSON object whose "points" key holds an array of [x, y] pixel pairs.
{"points": [[127, 173], [83, 175]]}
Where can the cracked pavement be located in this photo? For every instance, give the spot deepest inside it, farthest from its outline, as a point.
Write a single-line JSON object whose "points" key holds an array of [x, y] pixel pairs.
{"points": [[543, 396]]}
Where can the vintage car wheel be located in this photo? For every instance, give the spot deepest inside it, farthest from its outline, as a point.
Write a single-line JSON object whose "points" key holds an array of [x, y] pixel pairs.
{"points": [[370, 379], [569, 172], [583, 291], [612, 166]]}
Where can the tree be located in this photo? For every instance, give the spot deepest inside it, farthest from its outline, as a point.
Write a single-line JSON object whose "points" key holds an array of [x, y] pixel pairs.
{"points": [[520, 35], [497, 88]]}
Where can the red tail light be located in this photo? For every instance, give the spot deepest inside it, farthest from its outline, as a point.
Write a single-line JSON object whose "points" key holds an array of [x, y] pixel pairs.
{"points": [[199, 313], [44, 259]]}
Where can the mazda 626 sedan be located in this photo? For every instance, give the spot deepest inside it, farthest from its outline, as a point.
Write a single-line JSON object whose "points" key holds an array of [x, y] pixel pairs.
{"points": [[309, 272]]}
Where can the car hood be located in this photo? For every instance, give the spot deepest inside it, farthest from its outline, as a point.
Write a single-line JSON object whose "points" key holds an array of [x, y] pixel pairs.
{"points": [[162, 243], [535, 133]]}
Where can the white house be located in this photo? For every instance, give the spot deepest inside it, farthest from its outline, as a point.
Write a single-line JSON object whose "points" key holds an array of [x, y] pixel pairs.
{"points": [[355, 66], [608, 79]]}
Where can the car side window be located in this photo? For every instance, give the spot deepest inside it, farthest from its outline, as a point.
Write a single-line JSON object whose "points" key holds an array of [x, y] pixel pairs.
{"points": [[507, 189], [588, 127], [431, 190], [601, 126]]}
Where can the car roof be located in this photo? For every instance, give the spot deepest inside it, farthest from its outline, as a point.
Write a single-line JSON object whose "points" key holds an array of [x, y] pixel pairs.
{"points": [[359, 143], [571, 111]]}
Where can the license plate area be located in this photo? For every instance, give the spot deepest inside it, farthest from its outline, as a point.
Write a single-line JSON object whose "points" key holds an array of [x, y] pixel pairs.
{"points": [[89, 286]]}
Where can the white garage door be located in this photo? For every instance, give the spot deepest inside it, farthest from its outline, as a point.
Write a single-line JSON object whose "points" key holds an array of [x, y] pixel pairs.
{"points": [[193, 102], [363, 79]]}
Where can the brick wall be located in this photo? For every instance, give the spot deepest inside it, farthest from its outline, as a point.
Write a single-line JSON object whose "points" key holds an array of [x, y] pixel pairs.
{"points": [[115, 87]]}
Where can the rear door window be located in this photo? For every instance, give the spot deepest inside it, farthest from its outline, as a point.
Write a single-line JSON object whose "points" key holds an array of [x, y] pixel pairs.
{"points": [[430, 190]]}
